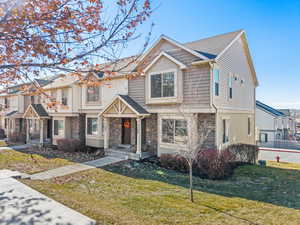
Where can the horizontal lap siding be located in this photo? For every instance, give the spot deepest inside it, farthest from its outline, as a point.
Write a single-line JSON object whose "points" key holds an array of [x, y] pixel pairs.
{"points": [[136, 89], [196, 81], [234, 61]]}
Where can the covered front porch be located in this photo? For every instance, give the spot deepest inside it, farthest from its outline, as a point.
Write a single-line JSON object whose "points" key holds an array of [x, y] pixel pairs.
{"points": [[38, 125], [124, 128]]}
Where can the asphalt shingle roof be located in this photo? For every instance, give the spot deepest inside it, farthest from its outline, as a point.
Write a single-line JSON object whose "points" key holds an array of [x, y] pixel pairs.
{"points": [[40, 110], [134, 104], [211, 47], [11, 113], [269, 109]]}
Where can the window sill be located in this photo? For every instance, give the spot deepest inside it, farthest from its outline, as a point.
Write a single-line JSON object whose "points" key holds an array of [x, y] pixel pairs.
{"points": [[166, 100]]}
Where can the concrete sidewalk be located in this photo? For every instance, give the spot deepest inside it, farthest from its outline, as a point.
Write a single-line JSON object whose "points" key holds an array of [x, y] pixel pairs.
{"points": [[285, 155], [22, 205], [65, 170]]}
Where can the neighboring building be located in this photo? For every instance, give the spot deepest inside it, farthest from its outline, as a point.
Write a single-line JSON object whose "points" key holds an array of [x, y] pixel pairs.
{"points": [[183, 86], [291, 115], [271, 124]]}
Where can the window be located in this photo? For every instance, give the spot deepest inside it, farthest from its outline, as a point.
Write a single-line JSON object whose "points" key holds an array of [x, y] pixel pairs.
{"points": [[163, 85], [92, 126], [230, 87], [58, 127], [64, 96], [225, 131], [249, 126], [53, 95], [32, 99], [6, 103], [216, 81], [93, 94], [174, 131]]}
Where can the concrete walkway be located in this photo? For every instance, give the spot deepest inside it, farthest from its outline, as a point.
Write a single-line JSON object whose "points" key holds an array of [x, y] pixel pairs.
{"points": [[21, 205], [65, 170]]}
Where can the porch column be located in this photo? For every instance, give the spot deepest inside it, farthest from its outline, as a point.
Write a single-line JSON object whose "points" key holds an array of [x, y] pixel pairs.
{"points": [[106, 132], [139, 136], [27, 131], [41, 131]]}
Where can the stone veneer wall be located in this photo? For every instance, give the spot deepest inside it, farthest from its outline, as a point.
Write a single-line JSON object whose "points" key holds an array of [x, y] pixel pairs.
{"points": [[151, 133], [115, 131], [211, 122], [81, 129]]}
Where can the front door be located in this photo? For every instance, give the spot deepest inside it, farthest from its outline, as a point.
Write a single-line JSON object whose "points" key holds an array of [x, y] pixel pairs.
{"points": [[126, 131]]}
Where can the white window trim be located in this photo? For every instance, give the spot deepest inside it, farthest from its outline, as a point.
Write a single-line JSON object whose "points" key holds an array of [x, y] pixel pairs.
{"points": [[175, 71], [174, 146], [213, 79], [64, 127], [230, 76], [96, 103], [227, 119], [99, 127]]}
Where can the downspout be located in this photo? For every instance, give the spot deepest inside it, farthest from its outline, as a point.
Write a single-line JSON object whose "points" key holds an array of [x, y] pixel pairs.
{"points": [[213, 105]]}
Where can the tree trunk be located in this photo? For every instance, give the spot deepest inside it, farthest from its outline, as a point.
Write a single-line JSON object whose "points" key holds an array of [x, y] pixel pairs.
{"points": [[191, 183]]}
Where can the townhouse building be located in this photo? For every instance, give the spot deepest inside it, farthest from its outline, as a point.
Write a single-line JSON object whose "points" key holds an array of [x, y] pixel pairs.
{"points": [[184, 88]]}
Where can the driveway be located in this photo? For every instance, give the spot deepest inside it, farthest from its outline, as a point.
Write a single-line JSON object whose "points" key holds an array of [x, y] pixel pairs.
{"points": [[286, 155], [21, 205]]}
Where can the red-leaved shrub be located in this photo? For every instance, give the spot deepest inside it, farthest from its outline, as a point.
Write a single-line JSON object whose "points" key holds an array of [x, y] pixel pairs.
{"points": [[211, 163], [68, 145]]}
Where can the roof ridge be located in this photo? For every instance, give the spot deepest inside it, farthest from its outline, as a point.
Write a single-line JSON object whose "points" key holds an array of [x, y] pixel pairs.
{"points": [[218, 35]]}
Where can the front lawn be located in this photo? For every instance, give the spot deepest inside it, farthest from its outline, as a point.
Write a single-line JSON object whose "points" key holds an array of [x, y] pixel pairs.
{"points": [[29, 163], [142, 193]]}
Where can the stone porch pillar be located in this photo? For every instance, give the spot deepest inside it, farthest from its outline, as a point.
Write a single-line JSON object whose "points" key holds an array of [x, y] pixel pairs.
{"points": [[106, 132], [27, 131], [41, 131], [139, 136]]}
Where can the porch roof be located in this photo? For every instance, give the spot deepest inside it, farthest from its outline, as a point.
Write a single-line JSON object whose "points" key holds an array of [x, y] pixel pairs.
{"points": [[124, 106], [36, 111], [10, 114]]}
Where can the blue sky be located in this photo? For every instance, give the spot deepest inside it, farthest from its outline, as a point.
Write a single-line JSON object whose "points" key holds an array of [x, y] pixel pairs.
{"points": [[272, 28]]}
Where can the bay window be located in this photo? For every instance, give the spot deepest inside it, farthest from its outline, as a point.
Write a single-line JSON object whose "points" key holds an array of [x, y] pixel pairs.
{"points": [[93, 94], [162, 85], [174, 131], [92, 126], [58, 127]]}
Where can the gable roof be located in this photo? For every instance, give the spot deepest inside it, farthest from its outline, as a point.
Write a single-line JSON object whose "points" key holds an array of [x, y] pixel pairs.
{"points": [[137, 107], [268, 109], [128, 102], [38, 109], [213, 46], [180, 64]]}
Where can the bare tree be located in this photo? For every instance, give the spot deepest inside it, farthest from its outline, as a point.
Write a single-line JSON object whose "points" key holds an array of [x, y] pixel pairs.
{"points": [[194, 142], [39, 37]]}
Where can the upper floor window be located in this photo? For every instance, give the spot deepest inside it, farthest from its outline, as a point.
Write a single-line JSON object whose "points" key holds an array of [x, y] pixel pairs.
{"points": [[174, 131], [163, 85], [58, 127], [32, 99], [53, 95], [216, 82], [64, 96], [6, 103], [92, 126], [93, 94], [230, 79]]}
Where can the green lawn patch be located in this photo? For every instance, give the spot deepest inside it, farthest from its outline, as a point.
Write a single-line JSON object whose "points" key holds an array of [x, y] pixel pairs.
{"points": [[142, 193], [29, 163]]}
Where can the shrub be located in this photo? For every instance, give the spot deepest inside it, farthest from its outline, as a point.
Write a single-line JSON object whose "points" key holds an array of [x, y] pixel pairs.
{"points": [[17, 137], [174, 162], [68, 145], [244, 153], [2, 133], [211, 163], [214, 164]]}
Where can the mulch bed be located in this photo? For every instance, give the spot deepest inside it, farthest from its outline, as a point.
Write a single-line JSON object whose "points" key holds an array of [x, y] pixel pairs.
{"points": [[54, 153]]}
